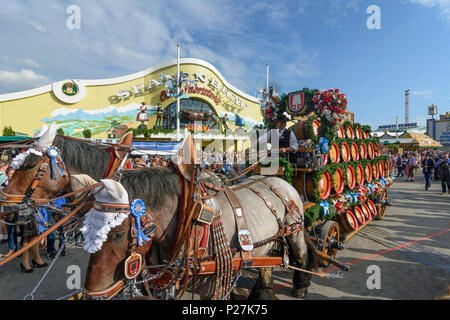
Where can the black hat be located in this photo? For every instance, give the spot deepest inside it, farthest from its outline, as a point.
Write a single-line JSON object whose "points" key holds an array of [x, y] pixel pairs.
{"points": [[282, 118]]}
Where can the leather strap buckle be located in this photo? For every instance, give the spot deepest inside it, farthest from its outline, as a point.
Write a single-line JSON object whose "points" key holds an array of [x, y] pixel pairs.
{"points": [[245, 240]]}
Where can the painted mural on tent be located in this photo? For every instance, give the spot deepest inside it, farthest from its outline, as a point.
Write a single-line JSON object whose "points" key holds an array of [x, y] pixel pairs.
{"points": [[115, 120]]}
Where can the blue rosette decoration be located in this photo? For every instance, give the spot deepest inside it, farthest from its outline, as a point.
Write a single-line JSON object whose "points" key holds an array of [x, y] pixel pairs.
{"points": [[53, 153], [137, 209]]}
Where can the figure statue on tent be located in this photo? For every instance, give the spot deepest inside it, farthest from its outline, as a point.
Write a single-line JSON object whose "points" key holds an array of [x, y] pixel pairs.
{"points": [[159, 117], [142, 116]]}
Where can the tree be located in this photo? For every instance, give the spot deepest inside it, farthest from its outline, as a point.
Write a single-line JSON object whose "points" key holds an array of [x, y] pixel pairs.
{"points": [[87, 133], [60, 132], [8, 131]]}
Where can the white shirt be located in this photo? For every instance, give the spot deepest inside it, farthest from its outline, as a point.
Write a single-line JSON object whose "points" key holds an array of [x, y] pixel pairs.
{"points": [[293, 143]]}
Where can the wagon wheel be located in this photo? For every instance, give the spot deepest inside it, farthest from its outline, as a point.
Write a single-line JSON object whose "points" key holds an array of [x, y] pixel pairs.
{"points": [[381, 204], [329, 235]]}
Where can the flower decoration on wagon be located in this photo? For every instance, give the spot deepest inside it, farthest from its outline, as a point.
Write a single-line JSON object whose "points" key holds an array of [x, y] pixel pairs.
{"points": [[330, 104], [341, 202]]}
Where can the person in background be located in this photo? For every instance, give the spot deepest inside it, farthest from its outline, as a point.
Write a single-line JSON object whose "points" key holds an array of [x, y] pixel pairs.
{"points": [[412, 167], [51, 238], [399, 165], [406, 161], [443, 166], [428, 167], [3, 183], [11, 228]]}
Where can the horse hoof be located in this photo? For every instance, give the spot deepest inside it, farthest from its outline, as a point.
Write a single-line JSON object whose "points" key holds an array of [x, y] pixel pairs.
{"points": [[262, 294], [300, 293]]}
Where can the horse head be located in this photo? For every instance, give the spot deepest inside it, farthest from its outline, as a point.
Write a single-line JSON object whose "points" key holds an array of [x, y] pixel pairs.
{"points": [[39, 172], [108, 230]]}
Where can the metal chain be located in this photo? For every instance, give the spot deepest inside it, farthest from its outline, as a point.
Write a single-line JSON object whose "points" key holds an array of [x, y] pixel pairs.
{"points": [[31, 294], [70, 295]]}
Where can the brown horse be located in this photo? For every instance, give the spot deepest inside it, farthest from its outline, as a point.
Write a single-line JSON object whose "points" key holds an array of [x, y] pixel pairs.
{"points": [[160, 190]]}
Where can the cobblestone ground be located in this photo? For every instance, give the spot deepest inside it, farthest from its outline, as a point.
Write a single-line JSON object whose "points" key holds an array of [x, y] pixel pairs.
{"points": [[410, 248]]}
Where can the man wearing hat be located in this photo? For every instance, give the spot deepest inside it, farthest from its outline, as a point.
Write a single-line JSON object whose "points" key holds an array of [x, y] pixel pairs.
{"points": [[287, 141]]}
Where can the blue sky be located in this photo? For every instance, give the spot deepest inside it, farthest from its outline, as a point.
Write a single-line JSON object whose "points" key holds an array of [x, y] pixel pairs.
{"points": [[308, 43]]}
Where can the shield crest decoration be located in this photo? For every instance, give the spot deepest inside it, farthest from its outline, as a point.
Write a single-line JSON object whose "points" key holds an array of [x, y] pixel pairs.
{"points": [[296, 102]]}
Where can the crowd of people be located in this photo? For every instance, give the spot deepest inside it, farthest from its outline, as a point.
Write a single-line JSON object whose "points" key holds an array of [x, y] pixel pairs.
{"points": [[434, 164]]}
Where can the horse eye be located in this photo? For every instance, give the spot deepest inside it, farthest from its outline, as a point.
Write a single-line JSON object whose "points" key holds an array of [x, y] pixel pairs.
{"points": [[118, 236]]}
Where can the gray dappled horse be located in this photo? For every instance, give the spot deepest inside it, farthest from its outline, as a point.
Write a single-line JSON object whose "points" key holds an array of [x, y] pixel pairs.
{"points": [[160, 190]]}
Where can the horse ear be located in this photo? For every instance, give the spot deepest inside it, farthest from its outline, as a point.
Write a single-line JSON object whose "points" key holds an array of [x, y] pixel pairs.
{"points": [[41, 132], [46, 140], [116, 193]]}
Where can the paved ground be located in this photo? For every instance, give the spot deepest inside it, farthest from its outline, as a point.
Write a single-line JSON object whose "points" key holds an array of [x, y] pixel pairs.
{"points": [[411, 248]]}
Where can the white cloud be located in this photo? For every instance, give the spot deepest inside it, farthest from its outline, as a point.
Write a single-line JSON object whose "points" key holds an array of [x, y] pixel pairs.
{"points": [[426, 93], [31, 63], [442, 5], [24, 79], [122, 37]]}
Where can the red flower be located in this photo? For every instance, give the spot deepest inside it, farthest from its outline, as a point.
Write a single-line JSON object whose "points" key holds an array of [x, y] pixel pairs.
{"points": [[319, 106], [336, 90], [315, 100], [336, 109], [330, 107]]}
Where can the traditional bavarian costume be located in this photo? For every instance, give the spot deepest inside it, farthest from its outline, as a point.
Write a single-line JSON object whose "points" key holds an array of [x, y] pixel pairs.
{"points": [[142, 115], [159, 117]]}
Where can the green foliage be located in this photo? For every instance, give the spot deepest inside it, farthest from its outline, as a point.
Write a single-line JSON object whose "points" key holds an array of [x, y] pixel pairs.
{"points": [[8, 131], [87, 133], [60, 132]]}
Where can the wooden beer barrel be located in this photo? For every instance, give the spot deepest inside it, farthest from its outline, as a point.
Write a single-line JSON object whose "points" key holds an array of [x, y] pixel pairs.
{"points": [[304, 185], [338, 181], [362, 151], [348, 221], [301, 129], [387, 168], [359, 175], [375, 171], [381, 168], [365, 209], [371, 150], [345, 152], [354, 151], [359, 215], [372, 208], [377, 149], [341, 132], [368, 173], [324, 186], [325, 159], [365, 135], [358, 133], [351, 177], [349, 132], [334, 153]]}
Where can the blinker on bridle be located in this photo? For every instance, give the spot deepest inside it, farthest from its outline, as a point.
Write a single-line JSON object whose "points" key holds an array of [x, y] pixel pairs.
{"points": [[53, 157], [142, 228]]}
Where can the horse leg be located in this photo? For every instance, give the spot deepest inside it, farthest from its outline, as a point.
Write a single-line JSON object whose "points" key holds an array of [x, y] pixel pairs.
{"points": [[303, 253], [263, 286]]}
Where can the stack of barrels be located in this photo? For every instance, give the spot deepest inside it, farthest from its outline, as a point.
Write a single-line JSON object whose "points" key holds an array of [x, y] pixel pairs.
{"points": [[352, 161]]}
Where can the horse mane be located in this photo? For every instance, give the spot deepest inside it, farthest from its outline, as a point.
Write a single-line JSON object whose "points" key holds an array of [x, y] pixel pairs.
{"points": [[81, 157], [152, 185]]}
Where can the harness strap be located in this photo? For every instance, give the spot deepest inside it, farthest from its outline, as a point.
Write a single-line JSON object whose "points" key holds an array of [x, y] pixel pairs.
{"points": [[244, 235]]}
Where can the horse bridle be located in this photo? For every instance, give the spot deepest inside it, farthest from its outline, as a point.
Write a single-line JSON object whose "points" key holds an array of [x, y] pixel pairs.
{"points": [[134, 260], [14, 202]]}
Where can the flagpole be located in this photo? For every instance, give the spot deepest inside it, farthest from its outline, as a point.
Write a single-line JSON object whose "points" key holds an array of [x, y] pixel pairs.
{"points": [[267, 77], [178, 92]]}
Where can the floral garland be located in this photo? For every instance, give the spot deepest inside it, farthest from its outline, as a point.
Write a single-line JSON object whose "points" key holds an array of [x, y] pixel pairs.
{"points": [[330, 104]]}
